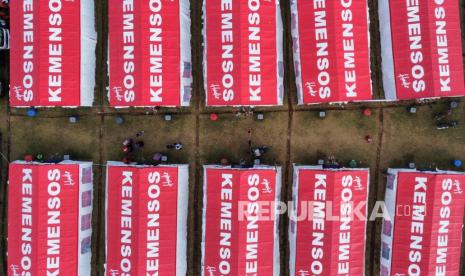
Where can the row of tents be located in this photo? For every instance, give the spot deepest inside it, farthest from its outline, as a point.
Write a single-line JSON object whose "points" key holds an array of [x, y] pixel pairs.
{"points": [[150, 64], [146, 211]]}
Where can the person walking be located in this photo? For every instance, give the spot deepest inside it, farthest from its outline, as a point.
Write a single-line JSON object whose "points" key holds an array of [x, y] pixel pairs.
{"points": [[138, 145], [175, 146]]}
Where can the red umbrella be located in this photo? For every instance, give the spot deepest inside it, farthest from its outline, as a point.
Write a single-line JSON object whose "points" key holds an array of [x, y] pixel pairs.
{"points": [[367, 112], [214, 117], [28, 158]]}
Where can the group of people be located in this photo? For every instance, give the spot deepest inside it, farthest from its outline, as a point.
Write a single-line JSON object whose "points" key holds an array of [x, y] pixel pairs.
{"points": [[5, 11], [131, 146], [258, 151], [443, 120], [245, 111]]}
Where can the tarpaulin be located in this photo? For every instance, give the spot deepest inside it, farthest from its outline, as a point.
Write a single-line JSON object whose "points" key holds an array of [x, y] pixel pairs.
{"points": [[52, 56], [331, 51], [423, 233], [328, 224], [149, 53], [421, 49], [243, 56], [49, 218], [146, 219], [240, 222]]}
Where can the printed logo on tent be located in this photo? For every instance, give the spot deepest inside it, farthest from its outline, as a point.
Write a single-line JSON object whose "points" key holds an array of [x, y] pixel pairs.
{"points": [[167, 182], [68, 179], [22, 96], [266, 187], [118, 91], [14, 270], [457, 187], [311, 88]]}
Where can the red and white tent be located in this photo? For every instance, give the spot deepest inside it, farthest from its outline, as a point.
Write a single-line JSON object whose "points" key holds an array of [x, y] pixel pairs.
{"points": [[326, 234], [149, 53], [50, 218], [421, 49], [331, 45], [243, 53], [423, 233], [52, 56], [240, 222], [146, 219]]}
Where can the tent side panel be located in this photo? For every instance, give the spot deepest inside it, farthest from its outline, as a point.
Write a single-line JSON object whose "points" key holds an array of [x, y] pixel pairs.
{"points": [[446, 48], [121, 222], [88, 58], [59, 34], [293, 221], [387, 229], [350, 191], [276, 247], [222, 56], [58, 188], [411, 49], [352, 52], [182, 213], [221, 226], [259, 62], [387, 51], [24, 53], [447, 224], [295, 29], [124, 54], [415, 192], [160, 51], [257, 228], [156, 233], [279, 56], [85, 204], [186, 54], [22, 220]]}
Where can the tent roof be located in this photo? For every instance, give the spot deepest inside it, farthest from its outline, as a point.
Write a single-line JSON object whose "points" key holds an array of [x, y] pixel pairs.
{"points": [[154, 199], [228, 191], [150, 54], [54, 59], [331, 51], [243, 56], [429, 210], [421, 49], [343, 191], [44, 210]]}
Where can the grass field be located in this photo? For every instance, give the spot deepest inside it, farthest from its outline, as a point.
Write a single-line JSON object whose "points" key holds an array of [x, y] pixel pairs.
{"points": [[294, 134]]}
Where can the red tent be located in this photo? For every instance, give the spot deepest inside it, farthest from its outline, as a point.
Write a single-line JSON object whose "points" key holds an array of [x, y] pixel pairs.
{"points": [[243, 55], [331, 51], [146, 219], [328, 226], [49, 218], [52, 56], [240, 222], [423, 233], [149, 53], [421, 49]]}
